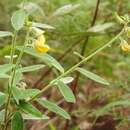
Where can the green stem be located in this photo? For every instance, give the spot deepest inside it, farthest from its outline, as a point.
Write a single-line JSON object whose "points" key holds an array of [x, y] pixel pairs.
{"points": [[13, 75], [13, 47], [78, 64], [11, 62]]}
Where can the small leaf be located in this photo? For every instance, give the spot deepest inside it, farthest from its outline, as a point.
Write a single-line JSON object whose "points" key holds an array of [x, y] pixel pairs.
{"points": [[5, 68], [43, 26], [2, 114], [92, 76], [18, 19], [54, 108], [101, 27], [30, 109], [2, 98], [66, 92], [20, 94], [5, 34], [17, 122], [30, 68], [66, 80], [32, 8], [32, 117], [4, 76], [65, 9], [45, 57]]}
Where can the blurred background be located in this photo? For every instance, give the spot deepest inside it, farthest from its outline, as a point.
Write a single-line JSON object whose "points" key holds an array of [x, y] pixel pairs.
{"points": [[66, 35]]}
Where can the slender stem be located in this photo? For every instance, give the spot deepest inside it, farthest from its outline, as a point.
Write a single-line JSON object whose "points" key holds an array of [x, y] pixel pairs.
{"points": [[11, 61], [92, 24], [37, 83], [13, 75], [12, 52], [78, 64]]}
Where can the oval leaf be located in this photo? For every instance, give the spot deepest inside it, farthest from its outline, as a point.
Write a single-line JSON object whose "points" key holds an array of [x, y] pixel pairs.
{"points": [[54, 108], [20, 94], [66, 92], [65, 9], [92, 76], [29, 108], [4, 76], [17, 122], [32, 117], [18, 19], [30, 68], [5, 68], [45, 57]]}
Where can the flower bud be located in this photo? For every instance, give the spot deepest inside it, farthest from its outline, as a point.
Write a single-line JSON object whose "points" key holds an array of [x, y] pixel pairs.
{"points": [[125, 46], [37, 32]]}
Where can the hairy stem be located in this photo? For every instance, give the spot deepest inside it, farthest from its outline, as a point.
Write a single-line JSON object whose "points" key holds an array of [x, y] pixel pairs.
{"points": [[9, 92], [78, 64], [13, 75]]}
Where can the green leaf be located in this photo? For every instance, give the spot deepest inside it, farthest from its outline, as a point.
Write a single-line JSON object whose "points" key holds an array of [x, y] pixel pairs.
{"points": [[20, 94], [92, 76], [4, 76], [2, 98], [32, 117], [30, 109], [43, 26], [31, 8], [66, 92], [101, 27], [66, 80], [45, 57], [54, 108], [2, 114], [65, 9], [30, 68], [17, 122], [5, 68], [5, 34], [18, 19]]}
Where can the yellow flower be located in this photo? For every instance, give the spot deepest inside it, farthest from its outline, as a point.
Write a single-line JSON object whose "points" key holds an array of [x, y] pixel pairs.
{"points": [[40, 45], [125, 46]]}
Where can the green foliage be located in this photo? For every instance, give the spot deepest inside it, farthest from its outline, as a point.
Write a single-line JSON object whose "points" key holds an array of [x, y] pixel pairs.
{"points": [[18, 19], [66, 92], [30, 68], [17, 122], [5, 33], [54, 108], [2, 98], [30, 109], [45, 57], [92, 76], [66, 24]]}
